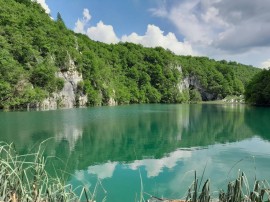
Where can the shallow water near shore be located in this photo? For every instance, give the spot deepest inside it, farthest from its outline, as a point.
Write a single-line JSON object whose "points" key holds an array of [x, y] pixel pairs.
{"points": [[155, 148]]}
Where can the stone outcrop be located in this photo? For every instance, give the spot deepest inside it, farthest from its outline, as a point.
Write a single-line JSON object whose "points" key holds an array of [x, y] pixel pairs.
{"points": [[192, 82], [69, 96], [112, 101]]}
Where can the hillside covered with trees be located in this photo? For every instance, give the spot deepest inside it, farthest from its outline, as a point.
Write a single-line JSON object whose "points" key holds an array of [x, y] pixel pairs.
{"points": [[258, 90], [34, 47]]}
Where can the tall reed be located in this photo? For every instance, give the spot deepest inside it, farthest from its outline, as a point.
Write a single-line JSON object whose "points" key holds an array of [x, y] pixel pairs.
{"points": [[237, 191], [24, 178]]}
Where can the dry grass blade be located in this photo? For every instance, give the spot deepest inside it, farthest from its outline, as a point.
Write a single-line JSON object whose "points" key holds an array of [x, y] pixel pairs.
{"points": [[24, 180], [237, 191]]}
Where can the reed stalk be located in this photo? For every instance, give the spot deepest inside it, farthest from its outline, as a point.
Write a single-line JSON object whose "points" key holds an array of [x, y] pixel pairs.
{"points": [[23, 178], [237, 191]]}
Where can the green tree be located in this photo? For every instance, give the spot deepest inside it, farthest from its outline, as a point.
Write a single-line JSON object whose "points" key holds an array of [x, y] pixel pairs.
{"points": [[60, 21], [43, 76], [258, 90], [34, 48], [195, 96]]}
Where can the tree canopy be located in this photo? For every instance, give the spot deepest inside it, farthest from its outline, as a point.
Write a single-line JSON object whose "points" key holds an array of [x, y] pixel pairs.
{"points": [[258, 90], [33, 47]]}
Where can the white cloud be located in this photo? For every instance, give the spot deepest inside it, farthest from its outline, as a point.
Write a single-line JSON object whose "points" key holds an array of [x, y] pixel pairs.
{"points": [[103, 171], [81, 23], [155, 37], [44, 5], [79, 175], [216, 28], [197, 27], [79, 26], [86, 15], [161, 10], [103, 33], [154, 167], [266, 64], [234, 26], [212, 16]]}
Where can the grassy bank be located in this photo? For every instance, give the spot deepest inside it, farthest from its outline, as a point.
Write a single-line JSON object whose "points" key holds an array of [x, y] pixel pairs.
{"points": [[24, 178]]}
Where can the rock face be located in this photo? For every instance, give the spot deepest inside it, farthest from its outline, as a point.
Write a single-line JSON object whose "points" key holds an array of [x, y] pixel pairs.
{"points": [[184, 84], [192, 82], [112, 101], [69, 96]]}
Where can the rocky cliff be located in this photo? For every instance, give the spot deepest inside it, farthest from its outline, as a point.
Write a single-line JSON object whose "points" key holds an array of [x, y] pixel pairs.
{"points": [[69, 96], [192, 82]]}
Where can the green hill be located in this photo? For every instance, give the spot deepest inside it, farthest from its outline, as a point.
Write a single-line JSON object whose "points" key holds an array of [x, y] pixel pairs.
{"points": [[258, 89], [34, 49]]}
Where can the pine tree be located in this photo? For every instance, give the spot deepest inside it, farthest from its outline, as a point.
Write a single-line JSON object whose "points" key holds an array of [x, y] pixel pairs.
{"points": [[60, 21]]}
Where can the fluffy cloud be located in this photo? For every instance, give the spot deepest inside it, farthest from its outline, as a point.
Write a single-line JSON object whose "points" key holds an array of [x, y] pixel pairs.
{"points": [[79, 26], [103, 33], [189, 24], [44, 5], [81, 23], [233, 26], [100, 32], [160, 10], [154, 167], [103, 171], [266, 64], [86, 15], [233, 30], [249, 25], [155, 37]]}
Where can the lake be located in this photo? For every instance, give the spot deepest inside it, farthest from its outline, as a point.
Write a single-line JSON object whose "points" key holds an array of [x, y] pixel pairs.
{"points": [[119, 151]]}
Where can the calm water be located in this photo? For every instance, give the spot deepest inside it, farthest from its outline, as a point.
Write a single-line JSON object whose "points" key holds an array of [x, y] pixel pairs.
{"points": [[111, 147]]}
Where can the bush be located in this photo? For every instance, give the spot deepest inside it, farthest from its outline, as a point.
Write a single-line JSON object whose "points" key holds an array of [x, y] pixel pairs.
{"points": [[195, 96]]}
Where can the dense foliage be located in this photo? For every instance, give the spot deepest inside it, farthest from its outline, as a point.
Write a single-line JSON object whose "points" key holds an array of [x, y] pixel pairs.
{"points": [[220, 78], [33, 47], [258, 90]]}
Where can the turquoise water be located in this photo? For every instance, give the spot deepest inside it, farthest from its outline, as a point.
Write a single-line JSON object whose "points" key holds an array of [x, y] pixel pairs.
{"points": [[120, 151]]}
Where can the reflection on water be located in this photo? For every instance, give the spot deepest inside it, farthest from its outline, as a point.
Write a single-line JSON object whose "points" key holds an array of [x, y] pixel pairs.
{"points": [[153, 167], [165, 143], [171, 175]]}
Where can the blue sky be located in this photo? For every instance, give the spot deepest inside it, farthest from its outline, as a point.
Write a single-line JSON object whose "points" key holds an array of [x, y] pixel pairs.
{"points": [[125, 16], [220, 29]]}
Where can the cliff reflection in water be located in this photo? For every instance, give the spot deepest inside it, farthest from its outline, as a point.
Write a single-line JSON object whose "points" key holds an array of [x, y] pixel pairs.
{"points": [[156, 130], [93, 136], [164, 142]]}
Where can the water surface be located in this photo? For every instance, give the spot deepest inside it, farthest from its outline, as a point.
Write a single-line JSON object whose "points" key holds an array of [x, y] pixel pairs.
{"points": [[155, 147]]}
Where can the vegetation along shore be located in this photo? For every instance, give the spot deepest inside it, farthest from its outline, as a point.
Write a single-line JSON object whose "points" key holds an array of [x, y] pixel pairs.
{"points": [[24, 178], [45, 65]]}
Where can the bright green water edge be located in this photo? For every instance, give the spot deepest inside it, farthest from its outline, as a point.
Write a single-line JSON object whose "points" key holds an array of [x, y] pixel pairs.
{"points": [[164, 143]]}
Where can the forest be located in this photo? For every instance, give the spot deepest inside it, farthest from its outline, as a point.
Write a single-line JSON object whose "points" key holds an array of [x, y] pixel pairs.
{"points": [[34, 47], [258, 90]]}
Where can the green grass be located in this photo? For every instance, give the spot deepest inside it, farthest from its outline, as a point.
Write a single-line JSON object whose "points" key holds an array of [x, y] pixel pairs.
{"points": [[24, 178]]}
